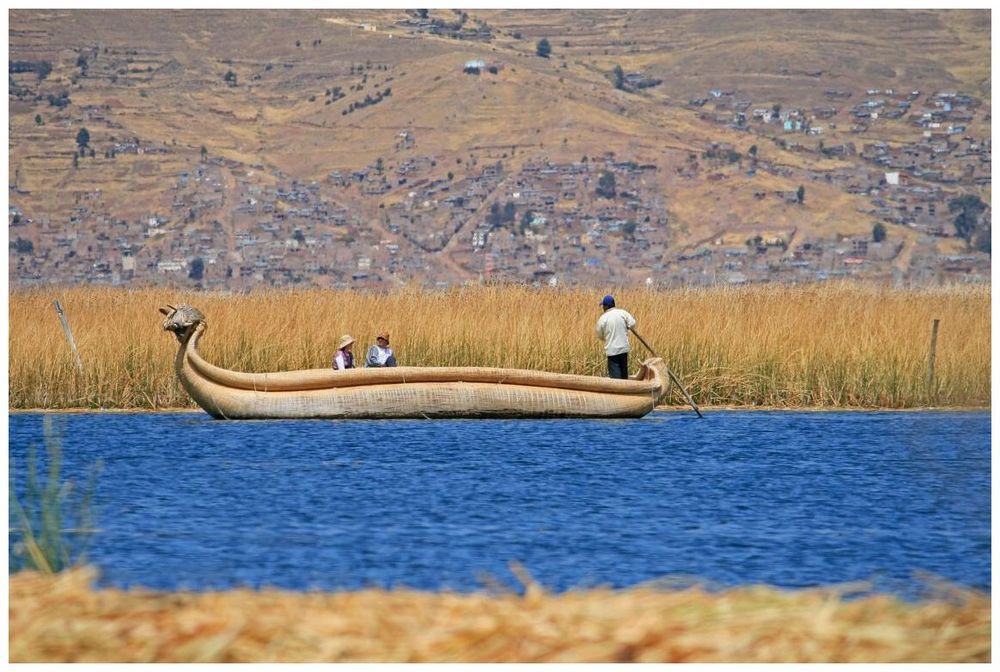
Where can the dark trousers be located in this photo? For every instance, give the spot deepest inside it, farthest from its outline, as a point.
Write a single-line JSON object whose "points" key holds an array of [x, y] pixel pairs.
{"points": [[618, 366]]}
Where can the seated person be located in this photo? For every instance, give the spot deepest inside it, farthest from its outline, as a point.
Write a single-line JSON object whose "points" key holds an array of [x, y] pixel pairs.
{"points": [[380, 354], [344, 358]]}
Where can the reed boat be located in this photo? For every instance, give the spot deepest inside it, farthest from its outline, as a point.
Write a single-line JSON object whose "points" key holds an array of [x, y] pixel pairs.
{"points": [[404, 391]]}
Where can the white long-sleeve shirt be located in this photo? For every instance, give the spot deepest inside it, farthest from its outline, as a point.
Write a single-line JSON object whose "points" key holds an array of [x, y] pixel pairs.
{"points": [[379, 356], [613, 327]]}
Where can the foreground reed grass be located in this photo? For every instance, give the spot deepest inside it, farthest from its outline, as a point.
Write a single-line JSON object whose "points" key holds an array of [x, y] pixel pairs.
{"points": [[51, 520], [62, 619], [817, 346]]}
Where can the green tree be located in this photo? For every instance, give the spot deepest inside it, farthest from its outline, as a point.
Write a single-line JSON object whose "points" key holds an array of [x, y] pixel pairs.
{"points": [[629, 228], [495, 218], [22, 246], [509, 211], [753, 151], [968, 207], [606, 184], [982, 242], [543, 48], [800, 194], [38, 119], [42, 69], [878, 232], [197, 269], [230, 77], [619, 77], [82, 138]]}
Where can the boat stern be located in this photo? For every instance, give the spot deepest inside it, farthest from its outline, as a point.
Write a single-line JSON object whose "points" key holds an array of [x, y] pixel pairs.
{"points": [[655, 369]]}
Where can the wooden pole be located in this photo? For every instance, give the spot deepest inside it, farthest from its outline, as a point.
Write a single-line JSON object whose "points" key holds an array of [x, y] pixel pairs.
{"points": [[932, 356], [69, 334], [669, 372]]}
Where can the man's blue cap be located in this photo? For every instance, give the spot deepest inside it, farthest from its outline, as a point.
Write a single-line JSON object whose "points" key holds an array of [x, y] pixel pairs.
{"points": [[608, 301]]}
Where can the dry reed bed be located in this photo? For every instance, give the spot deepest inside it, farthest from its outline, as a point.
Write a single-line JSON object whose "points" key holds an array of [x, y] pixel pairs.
{"points": [[829, 345], [62, 619]]}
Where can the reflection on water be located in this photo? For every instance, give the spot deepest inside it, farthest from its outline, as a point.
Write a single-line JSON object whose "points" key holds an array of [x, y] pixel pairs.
{"points": [[783, 498]]}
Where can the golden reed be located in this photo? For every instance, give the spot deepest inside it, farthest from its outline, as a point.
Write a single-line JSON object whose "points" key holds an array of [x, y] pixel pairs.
{"points": [[833, 345], [62, 618]]}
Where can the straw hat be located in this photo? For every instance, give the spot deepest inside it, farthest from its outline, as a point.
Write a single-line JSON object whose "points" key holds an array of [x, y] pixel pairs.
{"points": [[345, 341], [384, 334]]}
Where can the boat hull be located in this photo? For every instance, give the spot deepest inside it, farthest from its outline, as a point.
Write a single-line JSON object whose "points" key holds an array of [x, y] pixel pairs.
{"points": [[421, 400], [414, 392]]}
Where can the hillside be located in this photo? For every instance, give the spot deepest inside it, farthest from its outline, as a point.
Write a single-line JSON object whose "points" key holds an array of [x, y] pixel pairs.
{"points": [[354, 148]]}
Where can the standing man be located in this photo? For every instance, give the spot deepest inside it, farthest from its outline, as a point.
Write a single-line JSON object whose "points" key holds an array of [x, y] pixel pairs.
{"points": [[613, 327]]}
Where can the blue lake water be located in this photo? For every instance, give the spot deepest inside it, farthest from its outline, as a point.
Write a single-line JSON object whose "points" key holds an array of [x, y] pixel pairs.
{"points": [[790, 499]]}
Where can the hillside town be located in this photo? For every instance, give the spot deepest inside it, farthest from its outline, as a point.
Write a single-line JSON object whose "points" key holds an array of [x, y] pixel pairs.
{"points": [[601, 219]]}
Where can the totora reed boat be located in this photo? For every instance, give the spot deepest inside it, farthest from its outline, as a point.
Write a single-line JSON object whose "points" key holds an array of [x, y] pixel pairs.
{"points": [[404, 391]]}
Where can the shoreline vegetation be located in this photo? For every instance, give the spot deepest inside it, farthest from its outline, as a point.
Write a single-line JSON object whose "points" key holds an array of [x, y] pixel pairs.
{"points": [[831, 346], [660, 408], [62, 618]]}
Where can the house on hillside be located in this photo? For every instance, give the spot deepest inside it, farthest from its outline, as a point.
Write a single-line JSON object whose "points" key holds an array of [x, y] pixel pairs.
{"points": [[474, 66]]}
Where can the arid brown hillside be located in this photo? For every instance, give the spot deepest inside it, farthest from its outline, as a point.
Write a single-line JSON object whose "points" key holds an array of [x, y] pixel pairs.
{"points": [[230, 148]]}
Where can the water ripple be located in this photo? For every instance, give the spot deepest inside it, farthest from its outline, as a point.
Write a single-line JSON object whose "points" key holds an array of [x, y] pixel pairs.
{"points": [[783, 498]]}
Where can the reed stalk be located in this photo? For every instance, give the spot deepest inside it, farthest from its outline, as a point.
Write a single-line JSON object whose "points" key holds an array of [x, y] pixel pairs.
{"points": [[41, 537], [832, 345]]}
